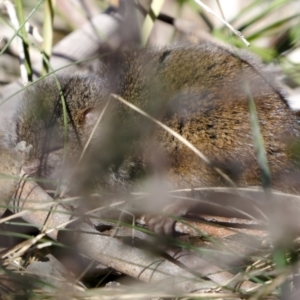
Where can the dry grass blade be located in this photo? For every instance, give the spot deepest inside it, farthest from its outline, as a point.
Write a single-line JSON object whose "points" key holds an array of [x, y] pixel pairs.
{"points": [[93, 131], [176, 135], [113, 252]]}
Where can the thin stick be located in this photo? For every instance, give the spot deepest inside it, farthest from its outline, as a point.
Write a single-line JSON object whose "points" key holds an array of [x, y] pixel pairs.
{"points": [[93, 131], [236, 32]]}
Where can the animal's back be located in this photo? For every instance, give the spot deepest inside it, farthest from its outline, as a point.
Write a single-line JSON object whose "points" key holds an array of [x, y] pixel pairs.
{"points": [[203, 94], [198, 91]]}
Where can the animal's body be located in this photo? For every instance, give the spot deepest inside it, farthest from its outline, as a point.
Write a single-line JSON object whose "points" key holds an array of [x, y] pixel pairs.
{"points": [[201, 92]]}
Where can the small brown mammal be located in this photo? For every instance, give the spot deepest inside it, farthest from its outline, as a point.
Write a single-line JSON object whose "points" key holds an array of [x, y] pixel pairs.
{"points": [[198, 91]]}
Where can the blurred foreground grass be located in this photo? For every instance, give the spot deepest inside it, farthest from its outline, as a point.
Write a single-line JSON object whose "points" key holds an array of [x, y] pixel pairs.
{"points": [[272, 28]]}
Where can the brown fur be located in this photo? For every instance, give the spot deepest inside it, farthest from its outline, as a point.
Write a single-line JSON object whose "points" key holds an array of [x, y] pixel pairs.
{"points": [[198, 91]]}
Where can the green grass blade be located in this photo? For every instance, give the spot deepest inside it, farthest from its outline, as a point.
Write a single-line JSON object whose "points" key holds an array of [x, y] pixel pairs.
{"points": [[271, 27], [48, 32], [258, 142], [23, 35]]}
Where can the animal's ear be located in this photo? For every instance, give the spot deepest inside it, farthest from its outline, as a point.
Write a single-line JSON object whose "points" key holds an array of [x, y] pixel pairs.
{"points": [[89, 117]]}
